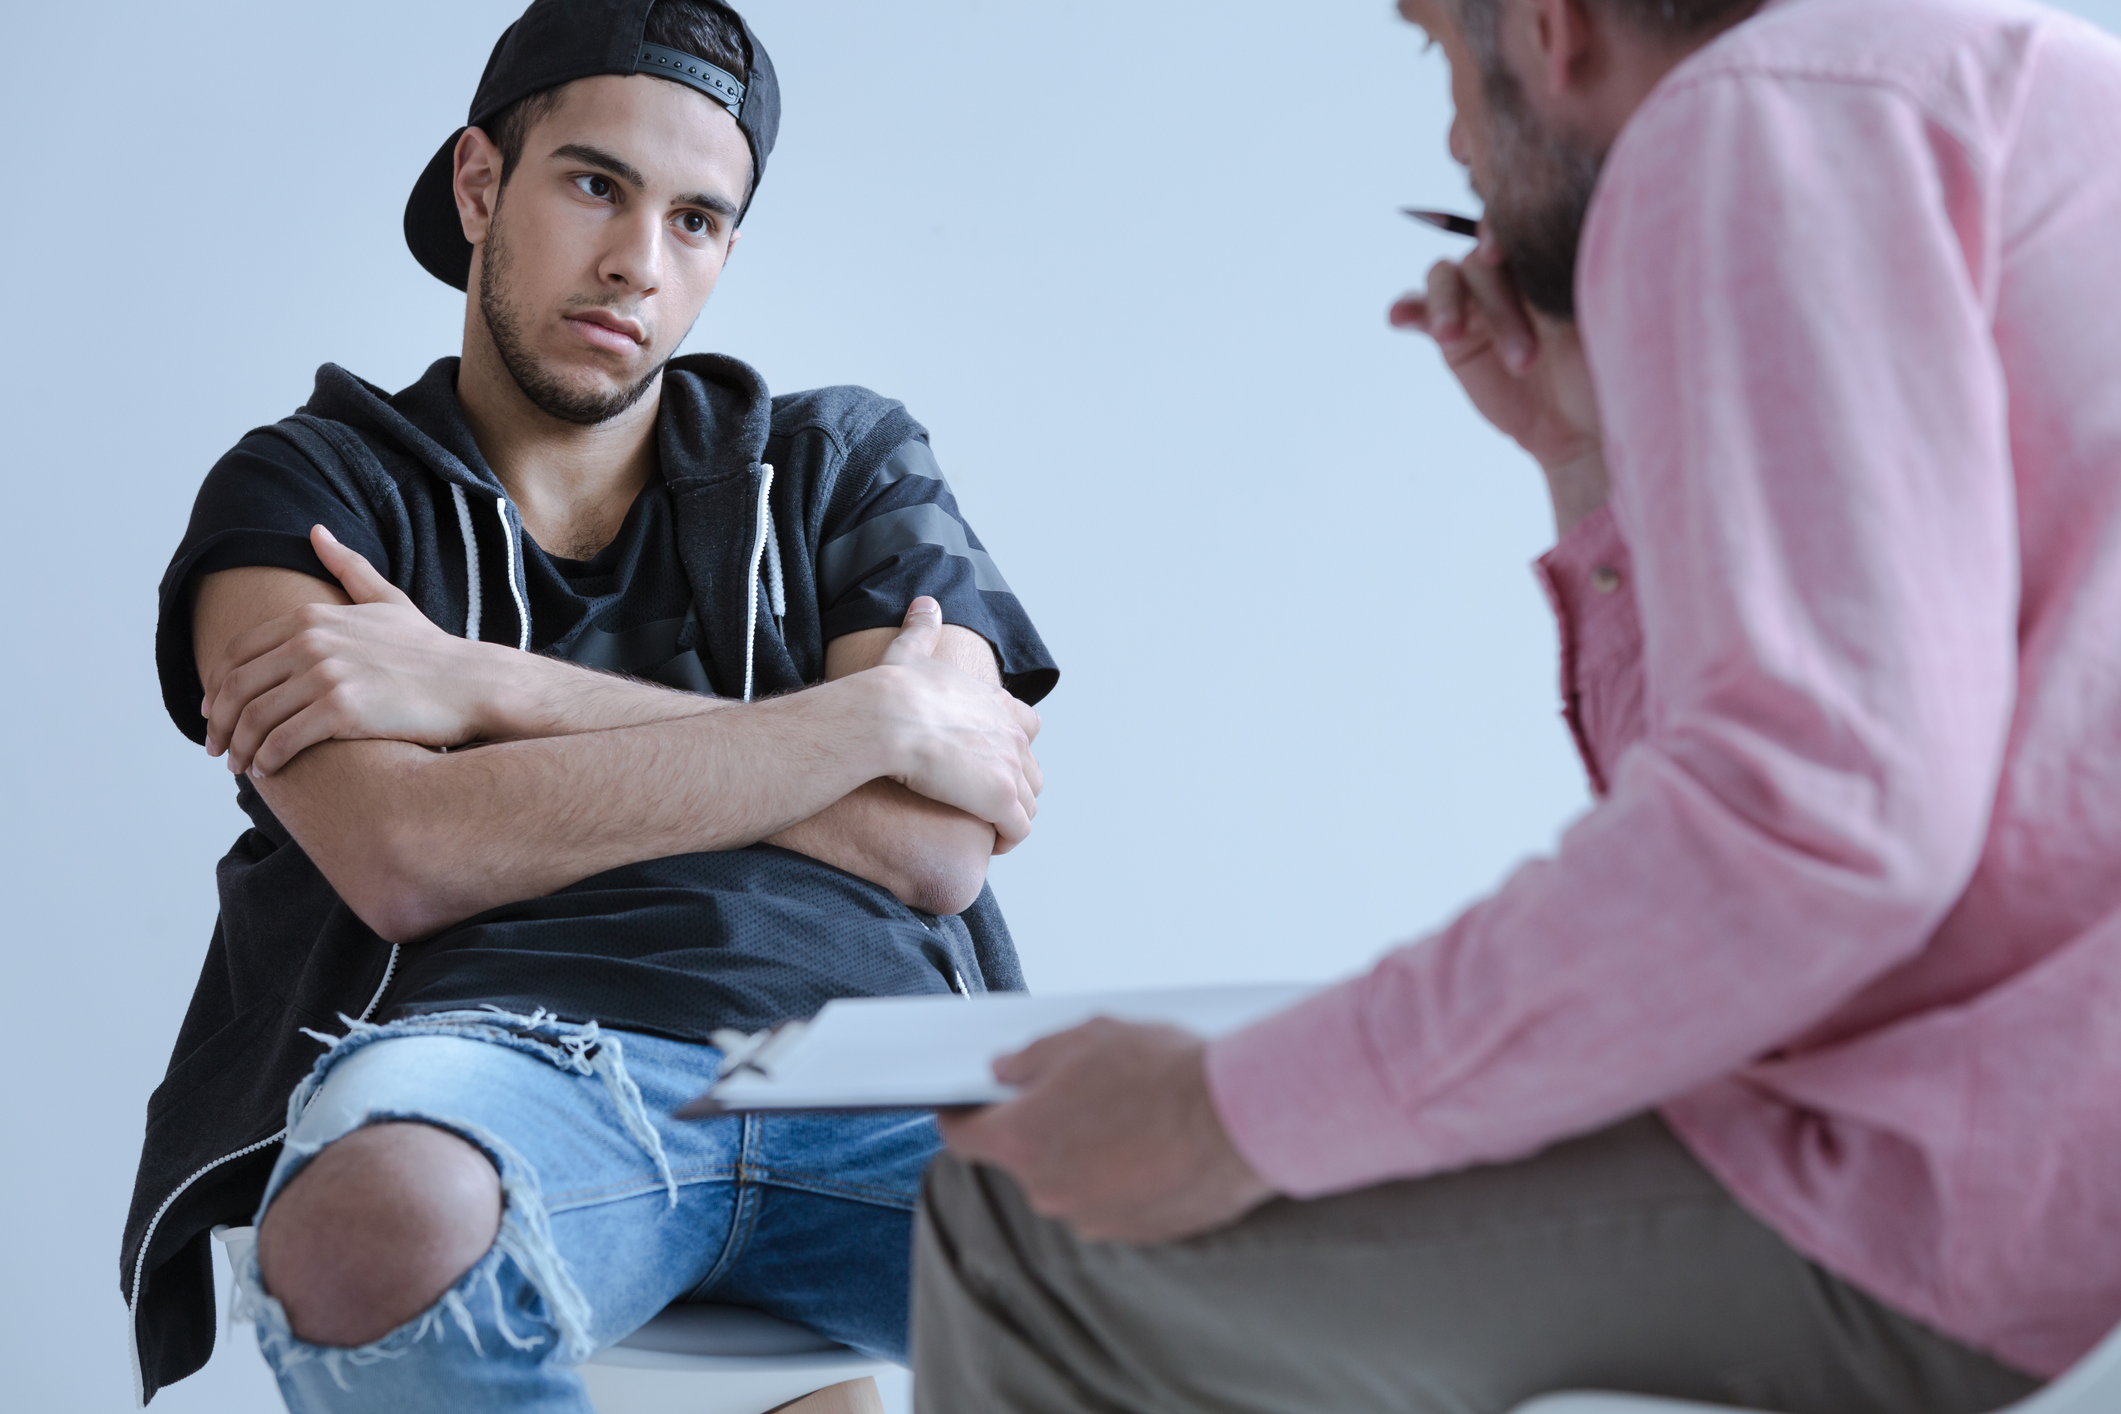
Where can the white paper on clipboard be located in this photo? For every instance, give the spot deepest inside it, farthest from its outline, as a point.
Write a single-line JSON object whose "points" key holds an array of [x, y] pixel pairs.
{"points": [[930, 1052]]}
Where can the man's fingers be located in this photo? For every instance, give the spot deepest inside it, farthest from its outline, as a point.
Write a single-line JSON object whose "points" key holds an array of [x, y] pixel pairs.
{"points": [[1024, 1067], [921, 632], [951, 1122], [319, 721], [969, 1132], [1027, 720], [355, 574], [986, 1134], [239, 688], [1478, 292], [970, 742], [1445, 305], [1409, 311], [1027, 797], [253, 644], [262, 715], [1491, 287], [1012, 829], [1014, 825]]}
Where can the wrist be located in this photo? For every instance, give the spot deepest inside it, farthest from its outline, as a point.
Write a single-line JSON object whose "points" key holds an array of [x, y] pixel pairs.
{"points": [[525, 697], [869, 719], [1576, 484]]}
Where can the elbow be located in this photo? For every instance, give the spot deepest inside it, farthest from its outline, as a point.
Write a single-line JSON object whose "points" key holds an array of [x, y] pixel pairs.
{"points": [[1891, 828], [395, 886], [946, 892], [1930, 829], [366, 816], [398, 922], [946, 880], [1930, 871]]}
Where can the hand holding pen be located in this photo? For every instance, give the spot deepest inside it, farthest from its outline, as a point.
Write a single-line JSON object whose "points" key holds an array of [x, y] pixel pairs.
{"points": [[1470, 300], [1525, 372]]}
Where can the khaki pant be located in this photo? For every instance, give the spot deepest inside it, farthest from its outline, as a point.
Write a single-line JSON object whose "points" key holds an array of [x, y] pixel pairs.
{"points": [[1613, 1261]]}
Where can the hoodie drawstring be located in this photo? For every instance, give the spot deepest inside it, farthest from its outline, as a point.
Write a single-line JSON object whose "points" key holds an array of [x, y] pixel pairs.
{"points": [[508, 540], [472, 606], [776, 596], [763, 538]]}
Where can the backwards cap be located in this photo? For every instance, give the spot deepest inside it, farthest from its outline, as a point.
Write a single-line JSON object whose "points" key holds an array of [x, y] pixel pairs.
{"points": [[559, 41]]}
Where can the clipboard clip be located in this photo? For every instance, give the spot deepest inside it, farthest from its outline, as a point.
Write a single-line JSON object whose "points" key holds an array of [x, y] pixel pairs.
{"points": [[755, 1050]]}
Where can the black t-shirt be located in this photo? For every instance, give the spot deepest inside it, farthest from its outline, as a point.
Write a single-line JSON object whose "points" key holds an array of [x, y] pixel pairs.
{"points": [[683, 944], [626, 609]]}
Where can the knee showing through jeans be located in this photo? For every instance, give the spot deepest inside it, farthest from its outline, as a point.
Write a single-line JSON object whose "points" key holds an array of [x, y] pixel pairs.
{"points": [[375, 1229]]}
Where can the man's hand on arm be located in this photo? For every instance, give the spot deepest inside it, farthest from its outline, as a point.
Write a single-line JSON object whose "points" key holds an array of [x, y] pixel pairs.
{"points": [[1525, 372], [367, 664], [415, 840], [931, 856], [1114, 1132]]}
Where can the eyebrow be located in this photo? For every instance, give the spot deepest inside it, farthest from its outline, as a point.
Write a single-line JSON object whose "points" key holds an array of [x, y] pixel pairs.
{"points": [[631, 175]]}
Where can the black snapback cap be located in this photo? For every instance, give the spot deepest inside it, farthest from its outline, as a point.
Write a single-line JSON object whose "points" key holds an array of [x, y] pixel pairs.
{"points": [[559, 41]]}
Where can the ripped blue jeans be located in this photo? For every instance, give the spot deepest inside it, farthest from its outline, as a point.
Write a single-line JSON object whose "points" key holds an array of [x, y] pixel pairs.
{"points": [[611, 1210]]}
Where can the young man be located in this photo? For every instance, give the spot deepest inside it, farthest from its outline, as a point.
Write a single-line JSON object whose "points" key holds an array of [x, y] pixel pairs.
{"points": [[1790, 1081], [607, 571]]}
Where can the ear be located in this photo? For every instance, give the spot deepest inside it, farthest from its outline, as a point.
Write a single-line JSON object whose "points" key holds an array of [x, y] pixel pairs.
{"points": [[477, 182], [1561, 34]]}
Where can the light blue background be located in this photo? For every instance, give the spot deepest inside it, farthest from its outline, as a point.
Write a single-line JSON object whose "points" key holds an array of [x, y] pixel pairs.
{"points": [[1128, 262]]}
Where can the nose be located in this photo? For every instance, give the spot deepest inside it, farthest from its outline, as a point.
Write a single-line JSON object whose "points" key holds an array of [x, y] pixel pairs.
{"points": [[1461, 151], [632, 258]]}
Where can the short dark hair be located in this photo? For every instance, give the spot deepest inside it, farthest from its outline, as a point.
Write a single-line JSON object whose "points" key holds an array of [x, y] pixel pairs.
{"points": [[1666, 19], [704, 29], [1678, 18]]}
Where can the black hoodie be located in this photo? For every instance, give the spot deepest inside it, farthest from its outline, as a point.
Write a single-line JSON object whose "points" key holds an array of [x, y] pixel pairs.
{"points": [[750, 477]]}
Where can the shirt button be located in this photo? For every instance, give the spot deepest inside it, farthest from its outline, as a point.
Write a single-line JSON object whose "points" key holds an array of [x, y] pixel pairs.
{"points": [[1605, 579]]}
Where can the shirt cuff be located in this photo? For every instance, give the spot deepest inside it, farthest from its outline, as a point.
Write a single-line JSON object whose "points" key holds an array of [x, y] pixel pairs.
{"points": [[1589, 579], [1301, 1097]]}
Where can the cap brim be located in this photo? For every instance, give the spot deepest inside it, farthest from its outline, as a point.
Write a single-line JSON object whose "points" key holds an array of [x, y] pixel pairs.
{"points": [[433, 230]]}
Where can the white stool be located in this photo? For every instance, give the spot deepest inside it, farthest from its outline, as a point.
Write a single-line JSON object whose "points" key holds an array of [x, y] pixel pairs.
{"points": [[2093, 1386], [702, 1359]]}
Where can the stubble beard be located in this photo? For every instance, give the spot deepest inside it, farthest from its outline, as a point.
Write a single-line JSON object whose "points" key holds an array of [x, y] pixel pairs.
{"points": [[504, 325], [1540, 182]]}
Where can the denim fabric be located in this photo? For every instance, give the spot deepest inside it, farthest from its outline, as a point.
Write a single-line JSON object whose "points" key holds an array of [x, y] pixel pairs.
{"points": [[612, 1210]]}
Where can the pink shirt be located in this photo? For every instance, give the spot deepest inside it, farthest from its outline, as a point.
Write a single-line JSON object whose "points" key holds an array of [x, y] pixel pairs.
{"points": [[1844, 659]]}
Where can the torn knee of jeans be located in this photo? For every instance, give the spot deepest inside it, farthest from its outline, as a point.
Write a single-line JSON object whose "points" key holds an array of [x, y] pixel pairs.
{"points": [[477, 1309], [524, 1242]]}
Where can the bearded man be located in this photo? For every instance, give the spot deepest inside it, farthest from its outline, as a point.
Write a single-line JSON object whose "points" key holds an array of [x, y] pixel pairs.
{"points": [[1789, 1080]]}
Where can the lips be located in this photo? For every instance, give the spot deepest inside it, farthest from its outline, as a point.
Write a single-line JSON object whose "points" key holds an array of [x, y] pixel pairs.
{"points": [[606, 330]]}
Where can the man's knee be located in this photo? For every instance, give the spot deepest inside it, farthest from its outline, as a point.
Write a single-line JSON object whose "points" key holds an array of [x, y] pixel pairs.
{"points": [[963, 1206], [375, 1229], [996, 1317]]}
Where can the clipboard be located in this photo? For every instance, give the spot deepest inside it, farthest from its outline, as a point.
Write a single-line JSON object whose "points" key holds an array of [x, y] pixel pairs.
{"points": [[938, 1052]]}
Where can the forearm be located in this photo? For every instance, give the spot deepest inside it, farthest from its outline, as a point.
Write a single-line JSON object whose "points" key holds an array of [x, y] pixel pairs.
{"points": [[332, 709], [530, 695], [415, 840], [932, 857]]}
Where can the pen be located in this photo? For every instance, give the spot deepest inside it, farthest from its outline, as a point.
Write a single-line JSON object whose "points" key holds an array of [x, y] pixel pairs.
{"points": [[1450, 221]]}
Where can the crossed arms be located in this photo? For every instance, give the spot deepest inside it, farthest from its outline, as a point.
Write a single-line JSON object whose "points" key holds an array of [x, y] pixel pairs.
{"points": [[909, 766]]}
